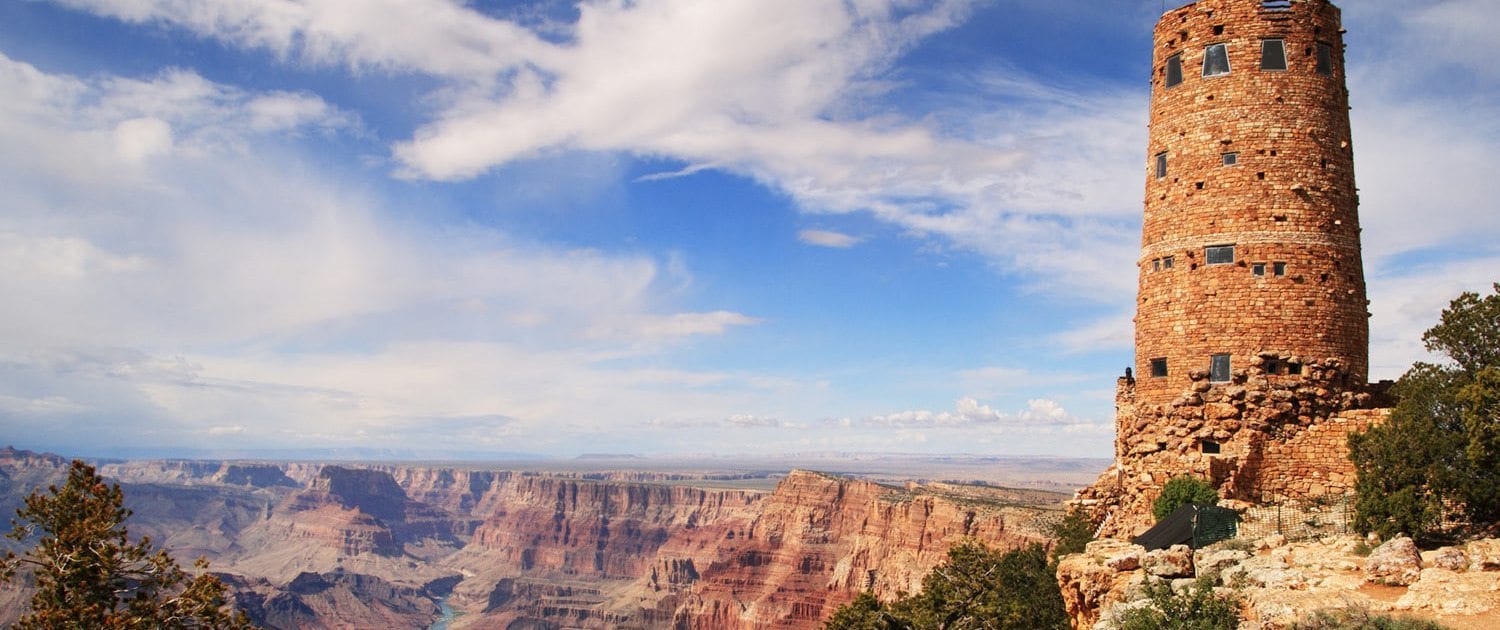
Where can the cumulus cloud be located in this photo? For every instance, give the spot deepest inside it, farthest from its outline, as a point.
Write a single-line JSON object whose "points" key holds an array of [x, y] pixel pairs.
{"points": [[969, 412], [828, 238]]}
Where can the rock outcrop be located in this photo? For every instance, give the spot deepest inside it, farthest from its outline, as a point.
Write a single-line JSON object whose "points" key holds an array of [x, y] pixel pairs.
{"points": [[1283, 583]]}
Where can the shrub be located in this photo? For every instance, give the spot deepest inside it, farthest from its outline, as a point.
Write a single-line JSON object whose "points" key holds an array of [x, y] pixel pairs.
{"points": [[1180, 491], [1072, 534], [1362, 619], [976, 587], [1197, 607]]}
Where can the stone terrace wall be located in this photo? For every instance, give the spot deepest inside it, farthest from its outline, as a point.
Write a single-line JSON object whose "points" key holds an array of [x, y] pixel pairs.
{"points": [[1277, 438]]}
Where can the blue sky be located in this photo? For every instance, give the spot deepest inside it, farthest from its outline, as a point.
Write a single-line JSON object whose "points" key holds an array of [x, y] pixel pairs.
{"points": [[650, 226]]}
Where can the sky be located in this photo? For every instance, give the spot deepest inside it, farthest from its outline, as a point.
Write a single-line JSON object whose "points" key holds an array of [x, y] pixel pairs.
{"points": [[658, 227]]}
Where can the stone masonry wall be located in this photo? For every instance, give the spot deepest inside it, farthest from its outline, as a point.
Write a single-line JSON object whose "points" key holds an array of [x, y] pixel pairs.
{"points": [[1259, 437], [1287, 203]]}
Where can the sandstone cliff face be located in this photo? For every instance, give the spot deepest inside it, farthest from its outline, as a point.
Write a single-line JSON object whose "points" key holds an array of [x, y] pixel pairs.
{"points": [[821, 540]]}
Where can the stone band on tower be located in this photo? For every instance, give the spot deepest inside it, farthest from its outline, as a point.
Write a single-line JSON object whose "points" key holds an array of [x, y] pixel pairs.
{"points": [[1250, 247]]}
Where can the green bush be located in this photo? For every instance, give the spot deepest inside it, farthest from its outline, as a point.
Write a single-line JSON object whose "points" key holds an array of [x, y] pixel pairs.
{"points": [[1180, 491], [1362, 619], [1072, 534], [976, 587], [1195, 608], [1439, 451]]}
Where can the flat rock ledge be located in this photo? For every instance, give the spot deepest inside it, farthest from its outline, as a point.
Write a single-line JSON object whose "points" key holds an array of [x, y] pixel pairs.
{"points": [[1281, 583]]}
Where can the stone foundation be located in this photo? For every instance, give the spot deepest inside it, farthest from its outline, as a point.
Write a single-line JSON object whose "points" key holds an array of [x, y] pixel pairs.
{"points": [[1260, 437]]}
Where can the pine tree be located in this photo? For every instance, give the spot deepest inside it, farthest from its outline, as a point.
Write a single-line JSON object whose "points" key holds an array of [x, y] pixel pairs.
{"points": [[89, 575]]}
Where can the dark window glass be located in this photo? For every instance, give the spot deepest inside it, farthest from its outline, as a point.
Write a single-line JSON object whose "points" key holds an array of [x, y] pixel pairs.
{"points": [[1161, 165], [1218, 368], [1215, 60], [1279, 269], [1156, 264], [1219, 255], [1231, 159], [1174, 70], [1166, 263], [1325, 59], [1258, 269], [1272, 54], [1158, 368]]}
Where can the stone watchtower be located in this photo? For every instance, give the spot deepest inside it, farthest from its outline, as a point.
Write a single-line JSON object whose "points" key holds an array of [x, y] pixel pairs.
{"points": [[1251, 328], [1251, 236]]}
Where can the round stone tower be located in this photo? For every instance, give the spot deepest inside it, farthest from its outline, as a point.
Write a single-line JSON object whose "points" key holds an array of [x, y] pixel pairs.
{"points": [[1250, 250]]}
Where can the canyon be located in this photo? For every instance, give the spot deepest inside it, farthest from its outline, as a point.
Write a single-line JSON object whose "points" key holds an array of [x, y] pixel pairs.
{"points": [[311, 545]]}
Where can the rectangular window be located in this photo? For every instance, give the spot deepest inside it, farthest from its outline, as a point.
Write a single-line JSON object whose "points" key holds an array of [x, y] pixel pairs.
{"points": [[1273, 366], [1272, 54], [1295, 369], [1258, 270], [1325, 59], [1219, 254], [1216, 60], [1161, 165], [1156, 264], [1166, 263], [1158, 367], [1218, 368], [1279, 269], [1174, 70], [1211, 447], [1230, 159]]}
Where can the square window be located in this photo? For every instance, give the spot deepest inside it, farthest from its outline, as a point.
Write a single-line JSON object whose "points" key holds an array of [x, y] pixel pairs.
{"points": [[1158, 368], [1279, 269], [1161, 165], [1218, 368], [1325, 59], [1166, 263], [1216, 60], [1219, 254], [1210, 447], [1272, 54], [1294, 369], [1230, 159], [1273, 366], [1174, 70], [1258, 270]]}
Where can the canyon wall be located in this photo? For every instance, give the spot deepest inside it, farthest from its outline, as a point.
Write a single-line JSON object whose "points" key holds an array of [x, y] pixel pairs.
{"points": [[341, 545]]}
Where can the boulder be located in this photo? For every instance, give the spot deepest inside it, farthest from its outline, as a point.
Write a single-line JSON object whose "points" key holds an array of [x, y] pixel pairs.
{"points": [[1173, 562], [1211, 562], [1450, 558], [1397, 562], [1484, 555]]}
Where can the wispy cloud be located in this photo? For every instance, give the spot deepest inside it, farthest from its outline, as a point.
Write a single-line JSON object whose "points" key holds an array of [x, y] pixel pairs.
{"points": [[828, 238]]}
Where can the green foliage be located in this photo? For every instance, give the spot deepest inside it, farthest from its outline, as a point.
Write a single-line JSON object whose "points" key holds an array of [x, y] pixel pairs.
{"points": [[1362, 619], [1180, 491], [864, 613], [1072, 534], [977, 587], [1195, 608], [1440, 449], [89, 575]]}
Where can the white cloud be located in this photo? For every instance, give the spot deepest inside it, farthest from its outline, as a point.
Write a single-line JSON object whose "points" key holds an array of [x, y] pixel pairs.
{"points": [[969, 412], [828, 238]]}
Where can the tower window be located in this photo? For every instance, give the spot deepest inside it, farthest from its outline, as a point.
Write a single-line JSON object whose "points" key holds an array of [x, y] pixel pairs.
{"points": [[1273, 366], [1272, 54], [1219, 254], [1174, 70], [1279, 269], [1161, 165], [1258, 270], [1211, 447], [1155, 264], [1218, 368], [1166, 262], [1230, 159], [1158, 367], [1216, 60], [1294, 369], [1325, 59]]}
